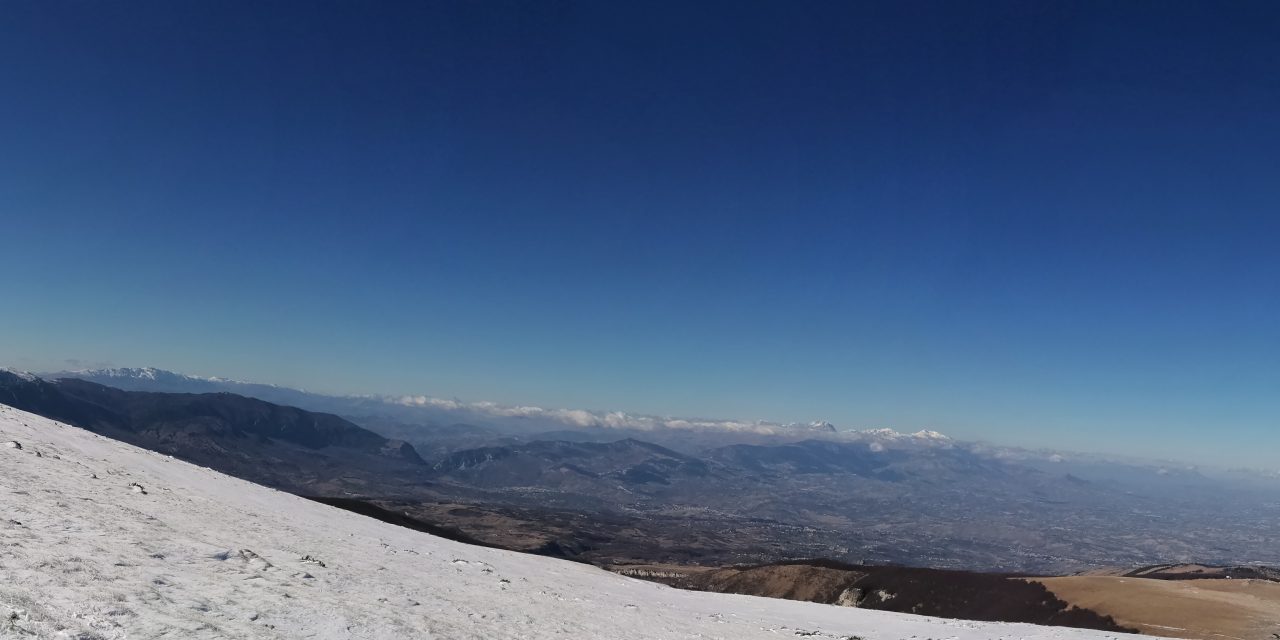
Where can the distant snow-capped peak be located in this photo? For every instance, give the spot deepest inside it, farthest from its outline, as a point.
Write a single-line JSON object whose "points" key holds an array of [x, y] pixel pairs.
{"points": [[24, 375], [929, 434], [880, 433], [821, 426], [148, 373], [138, 373], [890, 434]]}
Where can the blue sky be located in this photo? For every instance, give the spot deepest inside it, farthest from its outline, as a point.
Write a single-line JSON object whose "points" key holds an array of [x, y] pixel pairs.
{"points": [[1035, 223]]}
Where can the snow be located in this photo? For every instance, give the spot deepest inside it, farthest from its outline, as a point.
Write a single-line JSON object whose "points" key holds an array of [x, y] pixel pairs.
{"points": [[99, 539], [820, 426], [890, 434], [25, 375], [144, 373], [147, 373], [929, 434]]}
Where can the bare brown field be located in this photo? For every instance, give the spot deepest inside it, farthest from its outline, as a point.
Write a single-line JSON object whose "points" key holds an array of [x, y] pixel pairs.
{"points": [[1206, 609]]}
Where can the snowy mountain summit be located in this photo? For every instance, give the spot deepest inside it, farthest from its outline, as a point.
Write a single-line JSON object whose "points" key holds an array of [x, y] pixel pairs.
{"points": [[146, 373], [153, 379], [817, 426], [890, 434], [106, 540]]}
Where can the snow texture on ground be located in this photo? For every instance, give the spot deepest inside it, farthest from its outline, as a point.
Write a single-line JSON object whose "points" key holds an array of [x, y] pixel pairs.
{"points": [[99, 539]]}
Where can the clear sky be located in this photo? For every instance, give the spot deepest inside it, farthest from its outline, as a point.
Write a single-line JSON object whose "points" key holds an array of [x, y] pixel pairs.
{"points": [[1032, 222]]}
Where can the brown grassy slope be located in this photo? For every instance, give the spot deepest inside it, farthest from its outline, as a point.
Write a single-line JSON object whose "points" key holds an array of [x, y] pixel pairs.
{"points": [[1207, 609]]}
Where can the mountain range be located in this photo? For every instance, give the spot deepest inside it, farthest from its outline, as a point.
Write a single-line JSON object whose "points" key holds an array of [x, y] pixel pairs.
{"points": [[418, 410]]}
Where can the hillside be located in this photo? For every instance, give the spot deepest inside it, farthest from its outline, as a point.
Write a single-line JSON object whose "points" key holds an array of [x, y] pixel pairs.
{"points": [[1204, 609], [281, 446], [106, 540]]}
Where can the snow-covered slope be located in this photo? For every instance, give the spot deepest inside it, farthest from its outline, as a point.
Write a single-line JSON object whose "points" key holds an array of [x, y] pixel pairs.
{"points": [[99, 539]]}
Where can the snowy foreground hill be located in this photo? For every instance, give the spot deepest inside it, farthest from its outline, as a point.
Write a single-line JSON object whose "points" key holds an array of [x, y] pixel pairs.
{"points": [[99, 539]]}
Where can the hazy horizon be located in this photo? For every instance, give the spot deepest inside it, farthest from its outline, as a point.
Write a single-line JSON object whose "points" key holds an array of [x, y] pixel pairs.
{"points": [[577, 418]]}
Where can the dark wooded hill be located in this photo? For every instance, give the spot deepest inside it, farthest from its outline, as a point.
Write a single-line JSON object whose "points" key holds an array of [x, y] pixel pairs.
{"points": [[279, 446]]}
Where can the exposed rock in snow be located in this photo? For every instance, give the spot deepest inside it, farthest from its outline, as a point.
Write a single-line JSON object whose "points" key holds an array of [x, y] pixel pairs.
{"points": [[310, 560], [210, 556]]}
